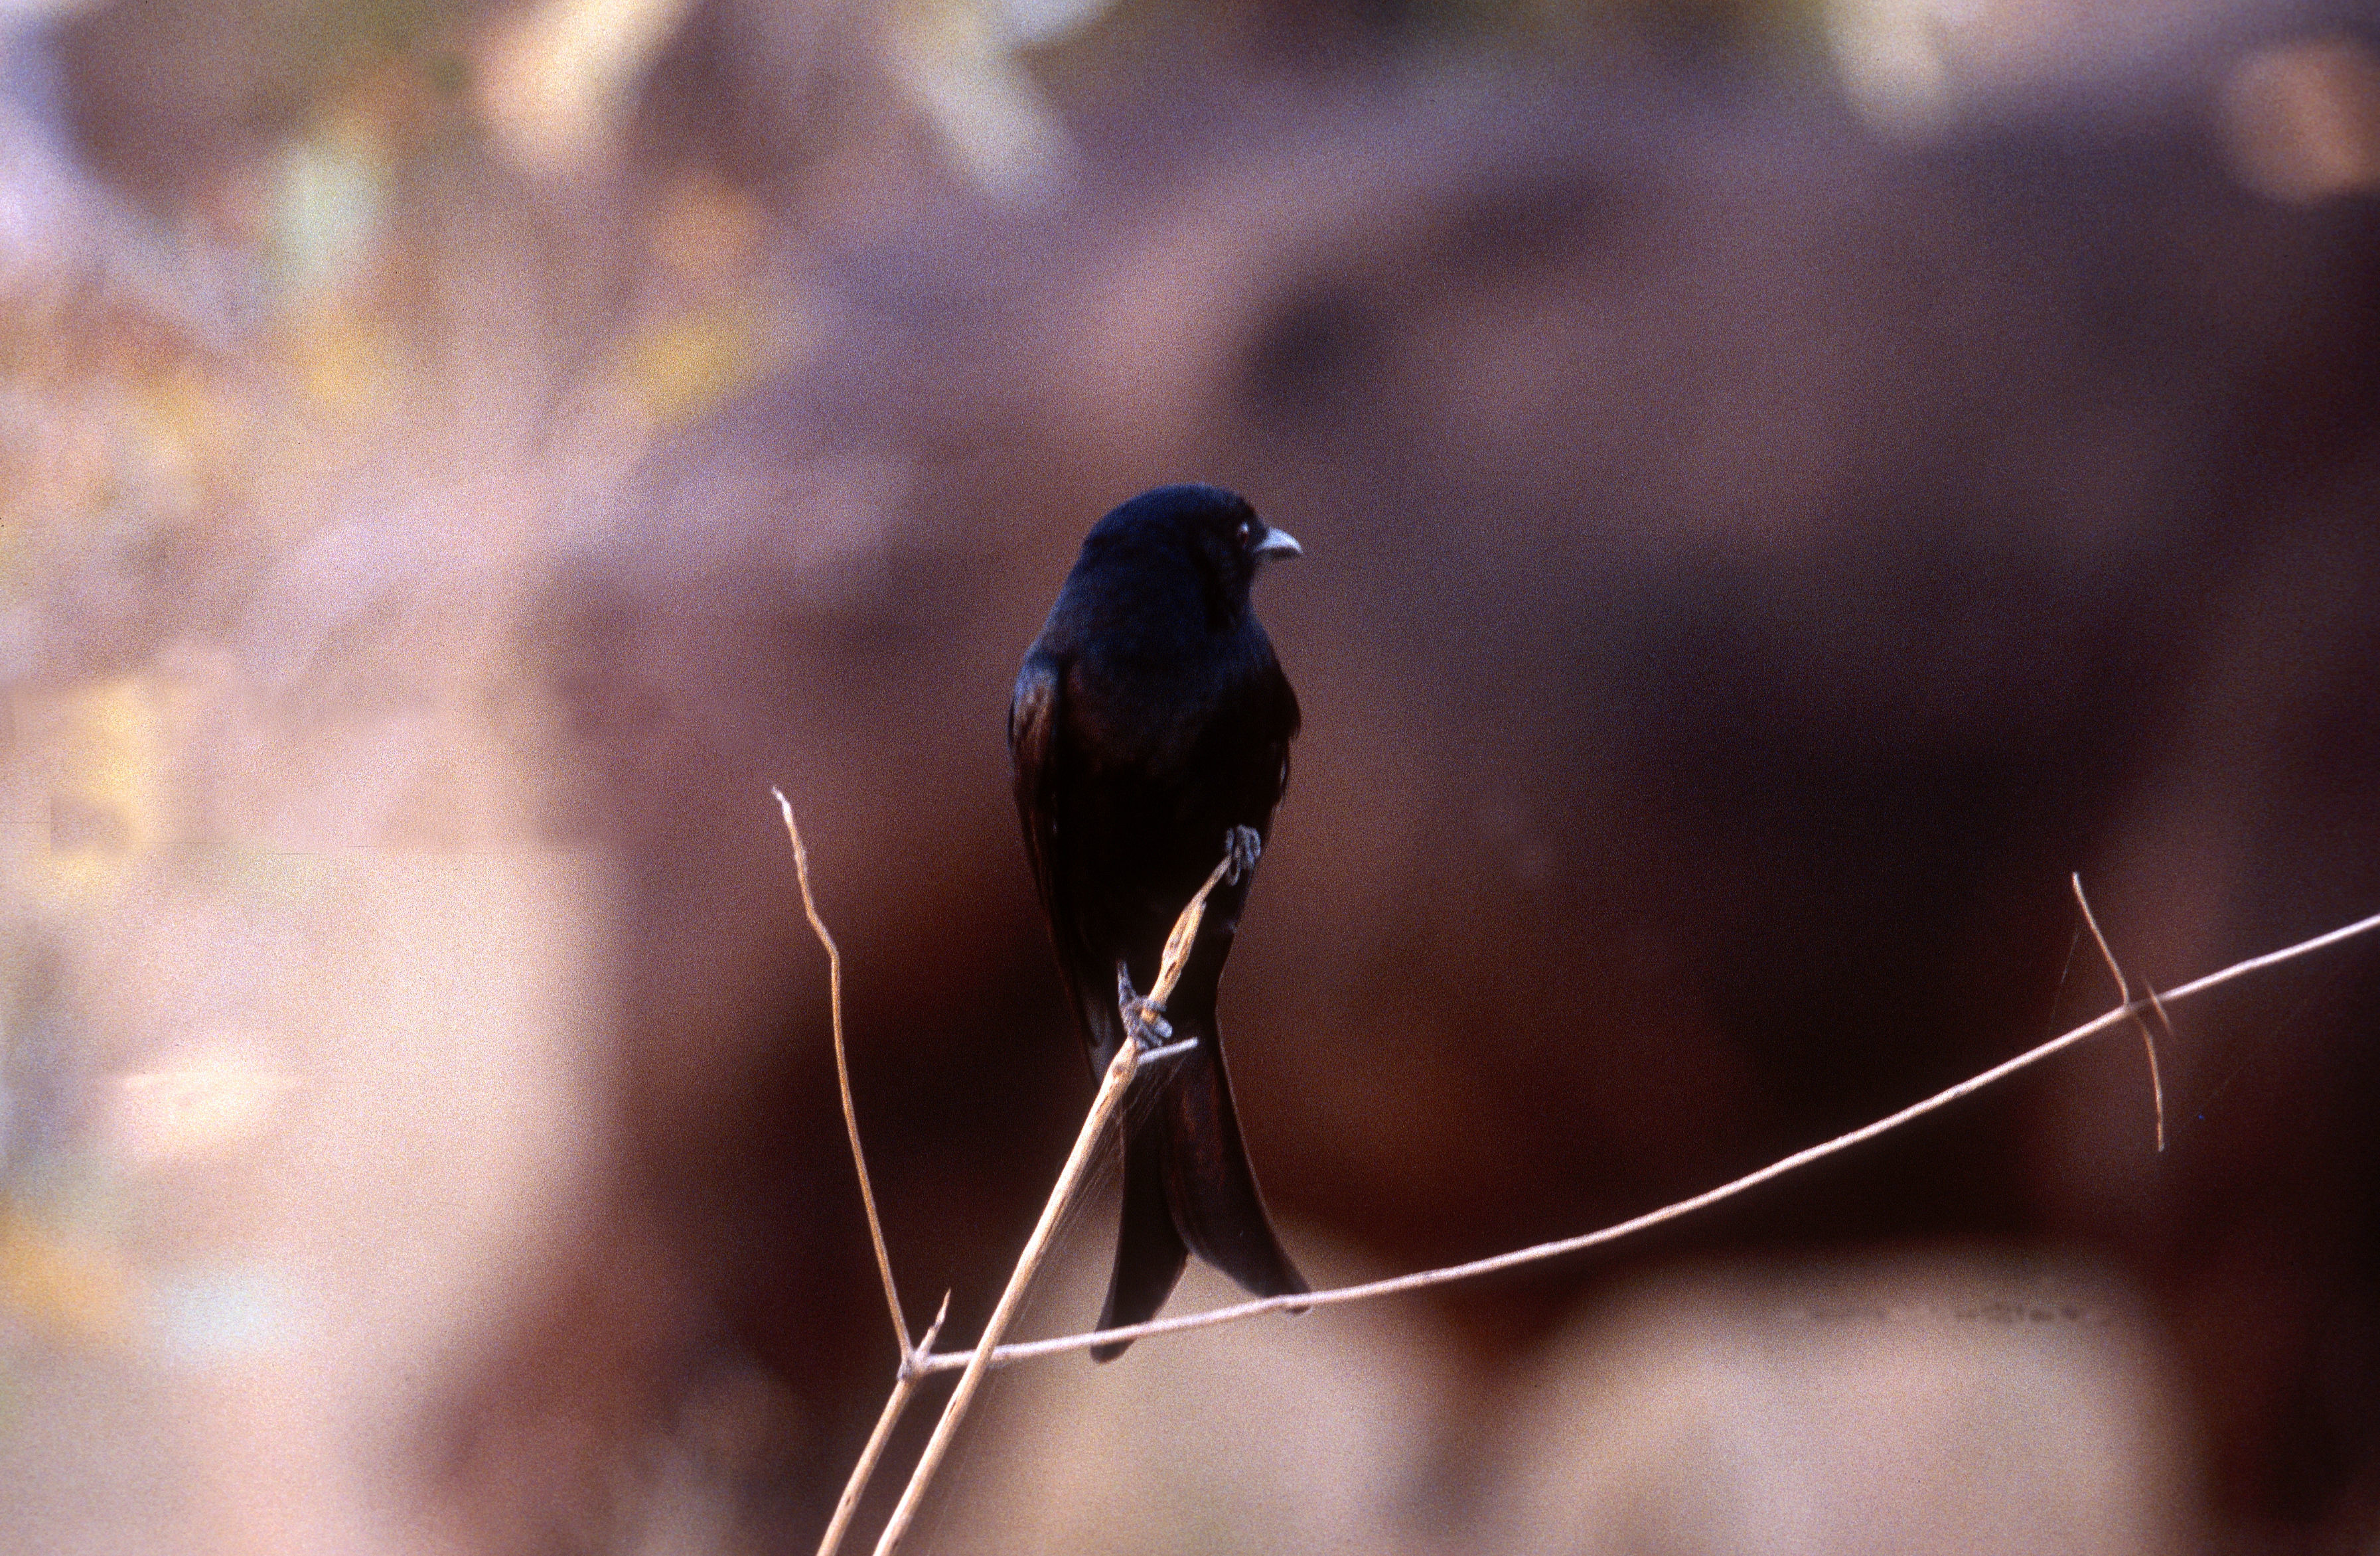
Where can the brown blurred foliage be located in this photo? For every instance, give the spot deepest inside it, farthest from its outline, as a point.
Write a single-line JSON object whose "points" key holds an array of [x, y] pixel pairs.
{"points": [[1752, 559]]}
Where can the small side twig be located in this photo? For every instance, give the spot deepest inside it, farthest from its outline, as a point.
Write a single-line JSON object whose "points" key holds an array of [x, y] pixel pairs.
{"points": [[2124, 996]]}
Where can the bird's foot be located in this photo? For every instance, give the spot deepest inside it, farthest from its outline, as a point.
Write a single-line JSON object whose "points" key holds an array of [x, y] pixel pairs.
{"points": [[1243, 846], [1146, 1023]]}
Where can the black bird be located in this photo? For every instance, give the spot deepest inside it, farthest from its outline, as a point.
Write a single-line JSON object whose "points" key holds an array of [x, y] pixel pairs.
{"points": [[1151, 731]]}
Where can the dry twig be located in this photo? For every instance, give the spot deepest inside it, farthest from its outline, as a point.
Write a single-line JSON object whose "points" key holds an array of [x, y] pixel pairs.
{"points": [[843, 1074], [920, 1361], [912, 1373], [2130, 1010]]}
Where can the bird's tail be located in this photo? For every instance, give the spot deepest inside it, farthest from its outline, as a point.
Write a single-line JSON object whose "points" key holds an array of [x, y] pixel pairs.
{"points": [[1188, 1189], [1149, 1251]]}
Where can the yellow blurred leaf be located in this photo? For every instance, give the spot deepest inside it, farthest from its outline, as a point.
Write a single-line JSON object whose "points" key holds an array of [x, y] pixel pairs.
{"points": [[684, 366], [346, 362], [54, 1285]]}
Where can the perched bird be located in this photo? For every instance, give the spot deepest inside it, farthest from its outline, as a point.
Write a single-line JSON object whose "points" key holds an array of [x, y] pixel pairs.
{"points": [[1151, 731]]}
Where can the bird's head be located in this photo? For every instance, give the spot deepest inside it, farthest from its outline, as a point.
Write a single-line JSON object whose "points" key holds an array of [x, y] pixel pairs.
{"points": [[1222, 534]]}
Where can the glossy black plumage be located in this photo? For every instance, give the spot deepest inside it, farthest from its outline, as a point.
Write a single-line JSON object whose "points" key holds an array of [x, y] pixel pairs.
{"points": [[1150, 718]]}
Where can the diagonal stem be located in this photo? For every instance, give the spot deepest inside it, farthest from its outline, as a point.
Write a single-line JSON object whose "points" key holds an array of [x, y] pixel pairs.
{"points": [[1111, 1089]]}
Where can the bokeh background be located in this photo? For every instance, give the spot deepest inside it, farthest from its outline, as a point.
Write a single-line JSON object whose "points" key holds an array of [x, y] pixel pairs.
{"points": [[1784, 484]]}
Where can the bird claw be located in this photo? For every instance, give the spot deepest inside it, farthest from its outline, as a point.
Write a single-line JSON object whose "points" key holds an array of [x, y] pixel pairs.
{"points": [[1243, 846], [1146, 1023]]}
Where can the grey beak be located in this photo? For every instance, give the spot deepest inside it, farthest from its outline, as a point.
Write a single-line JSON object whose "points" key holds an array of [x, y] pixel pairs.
{"points": [[1277, 544]]}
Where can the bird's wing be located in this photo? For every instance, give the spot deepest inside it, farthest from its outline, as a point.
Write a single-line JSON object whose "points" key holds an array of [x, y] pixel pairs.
{"points": [[1035, 714], [1266, 714], [1287, 717], [1037, 747]]}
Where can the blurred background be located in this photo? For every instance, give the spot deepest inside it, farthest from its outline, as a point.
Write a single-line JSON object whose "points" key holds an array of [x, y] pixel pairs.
{"points": [[1784, 484]]}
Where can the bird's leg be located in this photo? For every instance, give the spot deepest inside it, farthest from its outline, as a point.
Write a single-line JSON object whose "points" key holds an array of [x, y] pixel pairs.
{"points": [[1147, 1025], [1243, 846]]}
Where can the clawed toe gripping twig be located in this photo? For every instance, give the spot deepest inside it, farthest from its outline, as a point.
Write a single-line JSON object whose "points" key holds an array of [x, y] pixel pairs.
{"points": [[1243, 846], [1143, 1019]]}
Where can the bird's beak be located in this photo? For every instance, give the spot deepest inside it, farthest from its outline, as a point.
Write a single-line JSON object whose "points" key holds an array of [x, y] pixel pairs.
{"points": [[1277, 544]]}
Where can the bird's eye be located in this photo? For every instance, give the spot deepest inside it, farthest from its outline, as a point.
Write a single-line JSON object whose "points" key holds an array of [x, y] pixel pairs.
{"points": [[1248, 532]]}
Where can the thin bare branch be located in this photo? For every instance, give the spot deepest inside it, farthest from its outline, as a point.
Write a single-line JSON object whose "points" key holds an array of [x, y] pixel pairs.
{"points": [[1111, 1089], [1112, 1086], [896, 1403], [1370, 1289], [1184, 931], [905, 1385], [843, 1078], [2124, 996]]}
